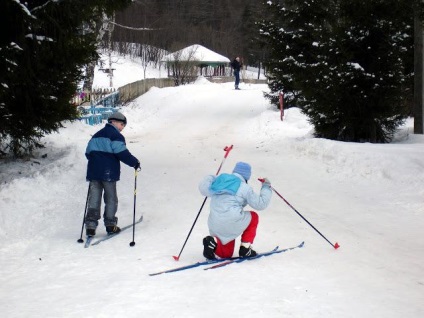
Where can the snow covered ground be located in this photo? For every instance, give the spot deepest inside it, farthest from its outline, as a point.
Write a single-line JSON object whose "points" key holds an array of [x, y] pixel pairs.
{"points": [[126, 69], [367, 197]]}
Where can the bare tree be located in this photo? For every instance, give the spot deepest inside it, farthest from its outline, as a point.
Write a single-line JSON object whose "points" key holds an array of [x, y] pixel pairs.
{"points": [[102, 27], [148, 55], [183, 65]]}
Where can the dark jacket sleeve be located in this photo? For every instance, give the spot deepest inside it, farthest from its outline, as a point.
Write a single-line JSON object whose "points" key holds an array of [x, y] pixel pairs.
{"points": [[119, 148]]}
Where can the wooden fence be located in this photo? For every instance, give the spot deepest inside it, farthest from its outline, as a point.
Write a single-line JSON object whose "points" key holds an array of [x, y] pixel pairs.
{"points": [[97, 105], [133, 90]]}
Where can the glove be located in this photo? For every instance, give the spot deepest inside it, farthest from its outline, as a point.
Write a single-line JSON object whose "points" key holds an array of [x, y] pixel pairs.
{"points": [[266, 182], [137, 166]]}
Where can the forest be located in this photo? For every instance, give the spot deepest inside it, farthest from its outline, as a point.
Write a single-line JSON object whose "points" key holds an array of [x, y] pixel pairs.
{"points": [[226, 27]]}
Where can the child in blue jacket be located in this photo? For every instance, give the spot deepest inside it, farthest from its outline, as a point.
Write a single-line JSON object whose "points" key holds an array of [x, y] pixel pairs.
{"points": [[104, 152]]}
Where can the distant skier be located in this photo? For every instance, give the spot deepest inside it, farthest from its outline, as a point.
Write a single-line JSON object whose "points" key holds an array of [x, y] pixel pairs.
{"points": [[227, 220], [105, 151], [236, 65]]}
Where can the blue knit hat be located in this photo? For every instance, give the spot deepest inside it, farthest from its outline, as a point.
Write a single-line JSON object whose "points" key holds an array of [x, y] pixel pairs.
{"points": [[243, 169]]}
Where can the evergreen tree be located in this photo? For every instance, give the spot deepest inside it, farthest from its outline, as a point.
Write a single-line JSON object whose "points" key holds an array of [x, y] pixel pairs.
{"points": [[249, 37], [43, 52], [347, 64]]}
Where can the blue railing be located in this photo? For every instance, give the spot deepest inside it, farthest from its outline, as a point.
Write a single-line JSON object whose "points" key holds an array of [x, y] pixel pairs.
{"points": [[101, 110], [111, 100]]}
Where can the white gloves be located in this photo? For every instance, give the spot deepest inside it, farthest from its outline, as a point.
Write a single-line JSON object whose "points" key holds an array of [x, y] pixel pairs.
{"points": [[266, 182]]}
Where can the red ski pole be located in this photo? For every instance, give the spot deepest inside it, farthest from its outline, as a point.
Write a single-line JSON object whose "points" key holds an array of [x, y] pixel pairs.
{"points": [[336, 245], [227, 151]]}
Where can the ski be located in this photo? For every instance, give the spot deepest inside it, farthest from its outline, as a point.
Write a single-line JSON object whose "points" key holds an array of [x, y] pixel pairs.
{"points": [[242, 259], [177, 269], [181, 268], [222, 261], [229, 261], [88, 241], [107, 237]]}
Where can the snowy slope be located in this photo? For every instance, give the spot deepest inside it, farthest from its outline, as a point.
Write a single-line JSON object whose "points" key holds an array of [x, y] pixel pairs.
{"points": [[368, 198]]}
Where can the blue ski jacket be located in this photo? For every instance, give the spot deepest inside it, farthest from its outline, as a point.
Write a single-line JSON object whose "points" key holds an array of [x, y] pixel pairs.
{"points": [[105, 150]]}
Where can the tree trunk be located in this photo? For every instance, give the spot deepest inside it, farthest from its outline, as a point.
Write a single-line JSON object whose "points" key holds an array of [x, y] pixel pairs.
{"points": [[100, 27]]}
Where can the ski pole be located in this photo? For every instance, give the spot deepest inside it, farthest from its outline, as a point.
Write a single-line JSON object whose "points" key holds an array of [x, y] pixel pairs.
{"points": [[135, 196], [80, 240], [336, 245], [227, 151]]}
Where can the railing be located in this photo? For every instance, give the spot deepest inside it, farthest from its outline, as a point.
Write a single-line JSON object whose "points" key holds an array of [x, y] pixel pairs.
{"points": [[100, 108], [92, 98], [94, 115], [111, 100]]}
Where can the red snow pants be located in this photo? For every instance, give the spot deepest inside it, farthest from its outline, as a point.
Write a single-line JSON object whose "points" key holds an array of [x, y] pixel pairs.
{"points": [[247, 236]]}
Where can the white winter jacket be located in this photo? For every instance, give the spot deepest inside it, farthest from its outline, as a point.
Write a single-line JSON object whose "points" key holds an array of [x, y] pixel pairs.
{"points": [[227, 219]]}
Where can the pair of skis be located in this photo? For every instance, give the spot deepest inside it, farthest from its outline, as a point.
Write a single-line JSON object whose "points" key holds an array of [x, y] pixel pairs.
{"points": [[89, 240], [217, 263]]}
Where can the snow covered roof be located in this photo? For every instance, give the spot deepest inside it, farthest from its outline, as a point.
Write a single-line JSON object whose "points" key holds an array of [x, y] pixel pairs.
{"points": [[197, 53]]}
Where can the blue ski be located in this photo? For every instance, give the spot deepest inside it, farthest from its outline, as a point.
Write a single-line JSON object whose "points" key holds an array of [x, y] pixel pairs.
{"points": [[222, 261], [242, 259]]}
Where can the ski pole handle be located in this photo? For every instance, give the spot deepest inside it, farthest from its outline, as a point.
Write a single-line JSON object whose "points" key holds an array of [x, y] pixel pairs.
{"points": [[227, 150], [265, 181]]}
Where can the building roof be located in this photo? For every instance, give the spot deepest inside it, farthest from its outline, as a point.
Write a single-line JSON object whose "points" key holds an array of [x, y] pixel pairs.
{"points": [[196, 53]]}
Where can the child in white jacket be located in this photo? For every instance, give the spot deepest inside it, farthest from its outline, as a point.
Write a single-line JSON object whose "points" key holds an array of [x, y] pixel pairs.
{"points": [[227, 220]]}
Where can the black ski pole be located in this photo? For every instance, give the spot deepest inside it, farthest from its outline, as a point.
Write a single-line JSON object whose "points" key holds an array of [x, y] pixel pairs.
{"points": [[227, 151], [336, 245], [135, 196], [80, 240]]}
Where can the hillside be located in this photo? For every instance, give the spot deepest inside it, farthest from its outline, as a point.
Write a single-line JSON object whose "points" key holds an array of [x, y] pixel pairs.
{"points": [[366, 197]]}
